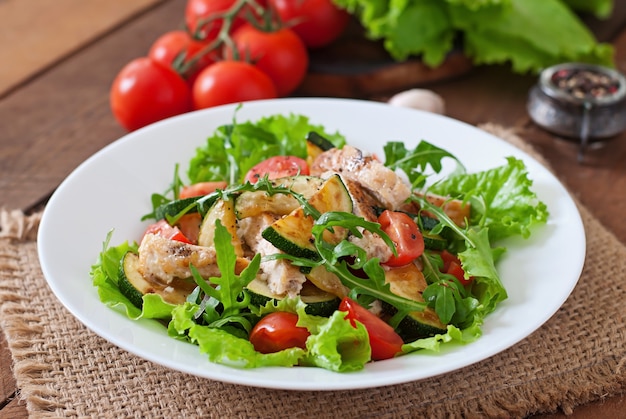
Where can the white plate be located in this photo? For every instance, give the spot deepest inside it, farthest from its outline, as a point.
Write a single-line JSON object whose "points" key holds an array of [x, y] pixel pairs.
{"points": [[111, 190]]}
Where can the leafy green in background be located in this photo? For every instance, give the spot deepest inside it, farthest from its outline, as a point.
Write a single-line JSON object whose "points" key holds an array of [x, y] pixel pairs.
{"points": [[528, 34]]}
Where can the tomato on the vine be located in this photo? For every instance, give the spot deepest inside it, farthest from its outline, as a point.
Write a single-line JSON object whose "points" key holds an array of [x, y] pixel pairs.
{"points": [[317, 22], [231, 82], [405, 234], [144, 92], [280, 54], [278, 331], [277, 167], [177, 45], [384, 341], [204, 20]]}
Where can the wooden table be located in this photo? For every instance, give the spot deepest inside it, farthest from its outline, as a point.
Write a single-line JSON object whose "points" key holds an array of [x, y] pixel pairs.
{"points": [[58, 64]]}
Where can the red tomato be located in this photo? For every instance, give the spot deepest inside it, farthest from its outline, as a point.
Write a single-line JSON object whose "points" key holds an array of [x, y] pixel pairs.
{"points": [[199, 13], [278, 331], [201, 189], [280, 54], [317, 22], [452, 266], [189, 226], [277, 167], [405, 234], [231, 82], [173, 44], [164, 229], [385, 342], [145, 92]]}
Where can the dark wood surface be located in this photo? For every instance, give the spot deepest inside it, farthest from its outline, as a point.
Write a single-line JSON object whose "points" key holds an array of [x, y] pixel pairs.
{"points": [[59, 116]]}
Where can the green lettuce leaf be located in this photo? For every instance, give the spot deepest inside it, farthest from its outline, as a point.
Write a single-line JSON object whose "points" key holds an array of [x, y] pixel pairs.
{"points": [[502, 199], [528, 34]]}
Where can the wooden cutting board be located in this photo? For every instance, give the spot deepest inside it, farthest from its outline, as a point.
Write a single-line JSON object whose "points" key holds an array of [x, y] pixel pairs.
{"points": [[356, 67]]}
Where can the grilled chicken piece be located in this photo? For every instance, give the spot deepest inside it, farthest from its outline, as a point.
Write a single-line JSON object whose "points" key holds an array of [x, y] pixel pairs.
{"points": [[163, 260], [454, 208], [383, 183], [363, 205], [281, 276]]}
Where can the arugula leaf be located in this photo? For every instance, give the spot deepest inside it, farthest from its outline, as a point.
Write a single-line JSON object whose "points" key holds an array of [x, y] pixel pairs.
{"points": [[228, 292], [416, 162]]}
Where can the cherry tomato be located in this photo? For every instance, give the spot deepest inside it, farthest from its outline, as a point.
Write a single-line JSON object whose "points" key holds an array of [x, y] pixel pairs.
{"points": [[385, 342], [317, 22], [171, 45], [201, 189], [277, 167], [231, 82], [278, 331], [452, 266], [405, 234], [189, 226], [201, 17], [164, 229], [280, 54], [144, 92]]}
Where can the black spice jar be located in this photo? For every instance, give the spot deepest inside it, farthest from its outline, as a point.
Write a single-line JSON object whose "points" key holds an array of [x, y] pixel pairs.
{"points": [[582, 102]]}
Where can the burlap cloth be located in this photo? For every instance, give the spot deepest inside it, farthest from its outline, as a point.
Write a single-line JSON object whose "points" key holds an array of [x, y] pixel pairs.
{"points": [[63, 369]]}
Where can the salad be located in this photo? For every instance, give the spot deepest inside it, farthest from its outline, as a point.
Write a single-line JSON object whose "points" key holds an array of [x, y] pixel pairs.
{"points": [[288, 246]]}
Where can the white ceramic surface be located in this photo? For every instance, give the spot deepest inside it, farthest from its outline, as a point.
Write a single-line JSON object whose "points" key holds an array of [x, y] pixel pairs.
{"points": [[111, 190]]}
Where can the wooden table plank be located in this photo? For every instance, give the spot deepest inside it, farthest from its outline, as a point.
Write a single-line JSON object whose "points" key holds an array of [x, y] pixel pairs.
{"points": [[37, 33], [55, 122]]}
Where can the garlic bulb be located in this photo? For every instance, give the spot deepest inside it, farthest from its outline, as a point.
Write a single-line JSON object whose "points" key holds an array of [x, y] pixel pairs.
{"points": [[425, 100]]}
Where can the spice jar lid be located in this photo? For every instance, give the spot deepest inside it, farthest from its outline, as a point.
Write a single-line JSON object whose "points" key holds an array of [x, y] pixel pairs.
{"points": [[581, 83]]}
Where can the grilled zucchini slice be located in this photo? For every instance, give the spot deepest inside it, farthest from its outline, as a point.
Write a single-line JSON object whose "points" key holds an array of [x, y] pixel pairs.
{"points": [[293, 233]]}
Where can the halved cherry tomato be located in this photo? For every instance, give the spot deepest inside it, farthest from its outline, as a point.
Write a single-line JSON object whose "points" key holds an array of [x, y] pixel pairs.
{"points": [[385, 342], [201, 189], [189, 226], [405, 234], [278, 331], [277, 167], [164, 229], [452, 266]]}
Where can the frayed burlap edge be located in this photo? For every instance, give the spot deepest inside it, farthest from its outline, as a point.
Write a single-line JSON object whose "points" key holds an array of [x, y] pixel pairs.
{"points": [[23, 329]]}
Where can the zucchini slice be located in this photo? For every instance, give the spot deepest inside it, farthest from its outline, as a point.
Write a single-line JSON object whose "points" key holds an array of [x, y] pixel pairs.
{"points": [[223, 210], [319, 303], [252, 203], [134, 286], [409, 282], [316, 145], [434, 241], [327, 281], [293, 233], [173, 208]]}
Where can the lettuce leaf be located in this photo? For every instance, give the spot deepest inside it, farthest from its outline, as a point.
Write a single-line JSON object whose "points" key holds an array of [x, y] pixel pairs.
{"points": [[502, 199], [528, 34]]}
